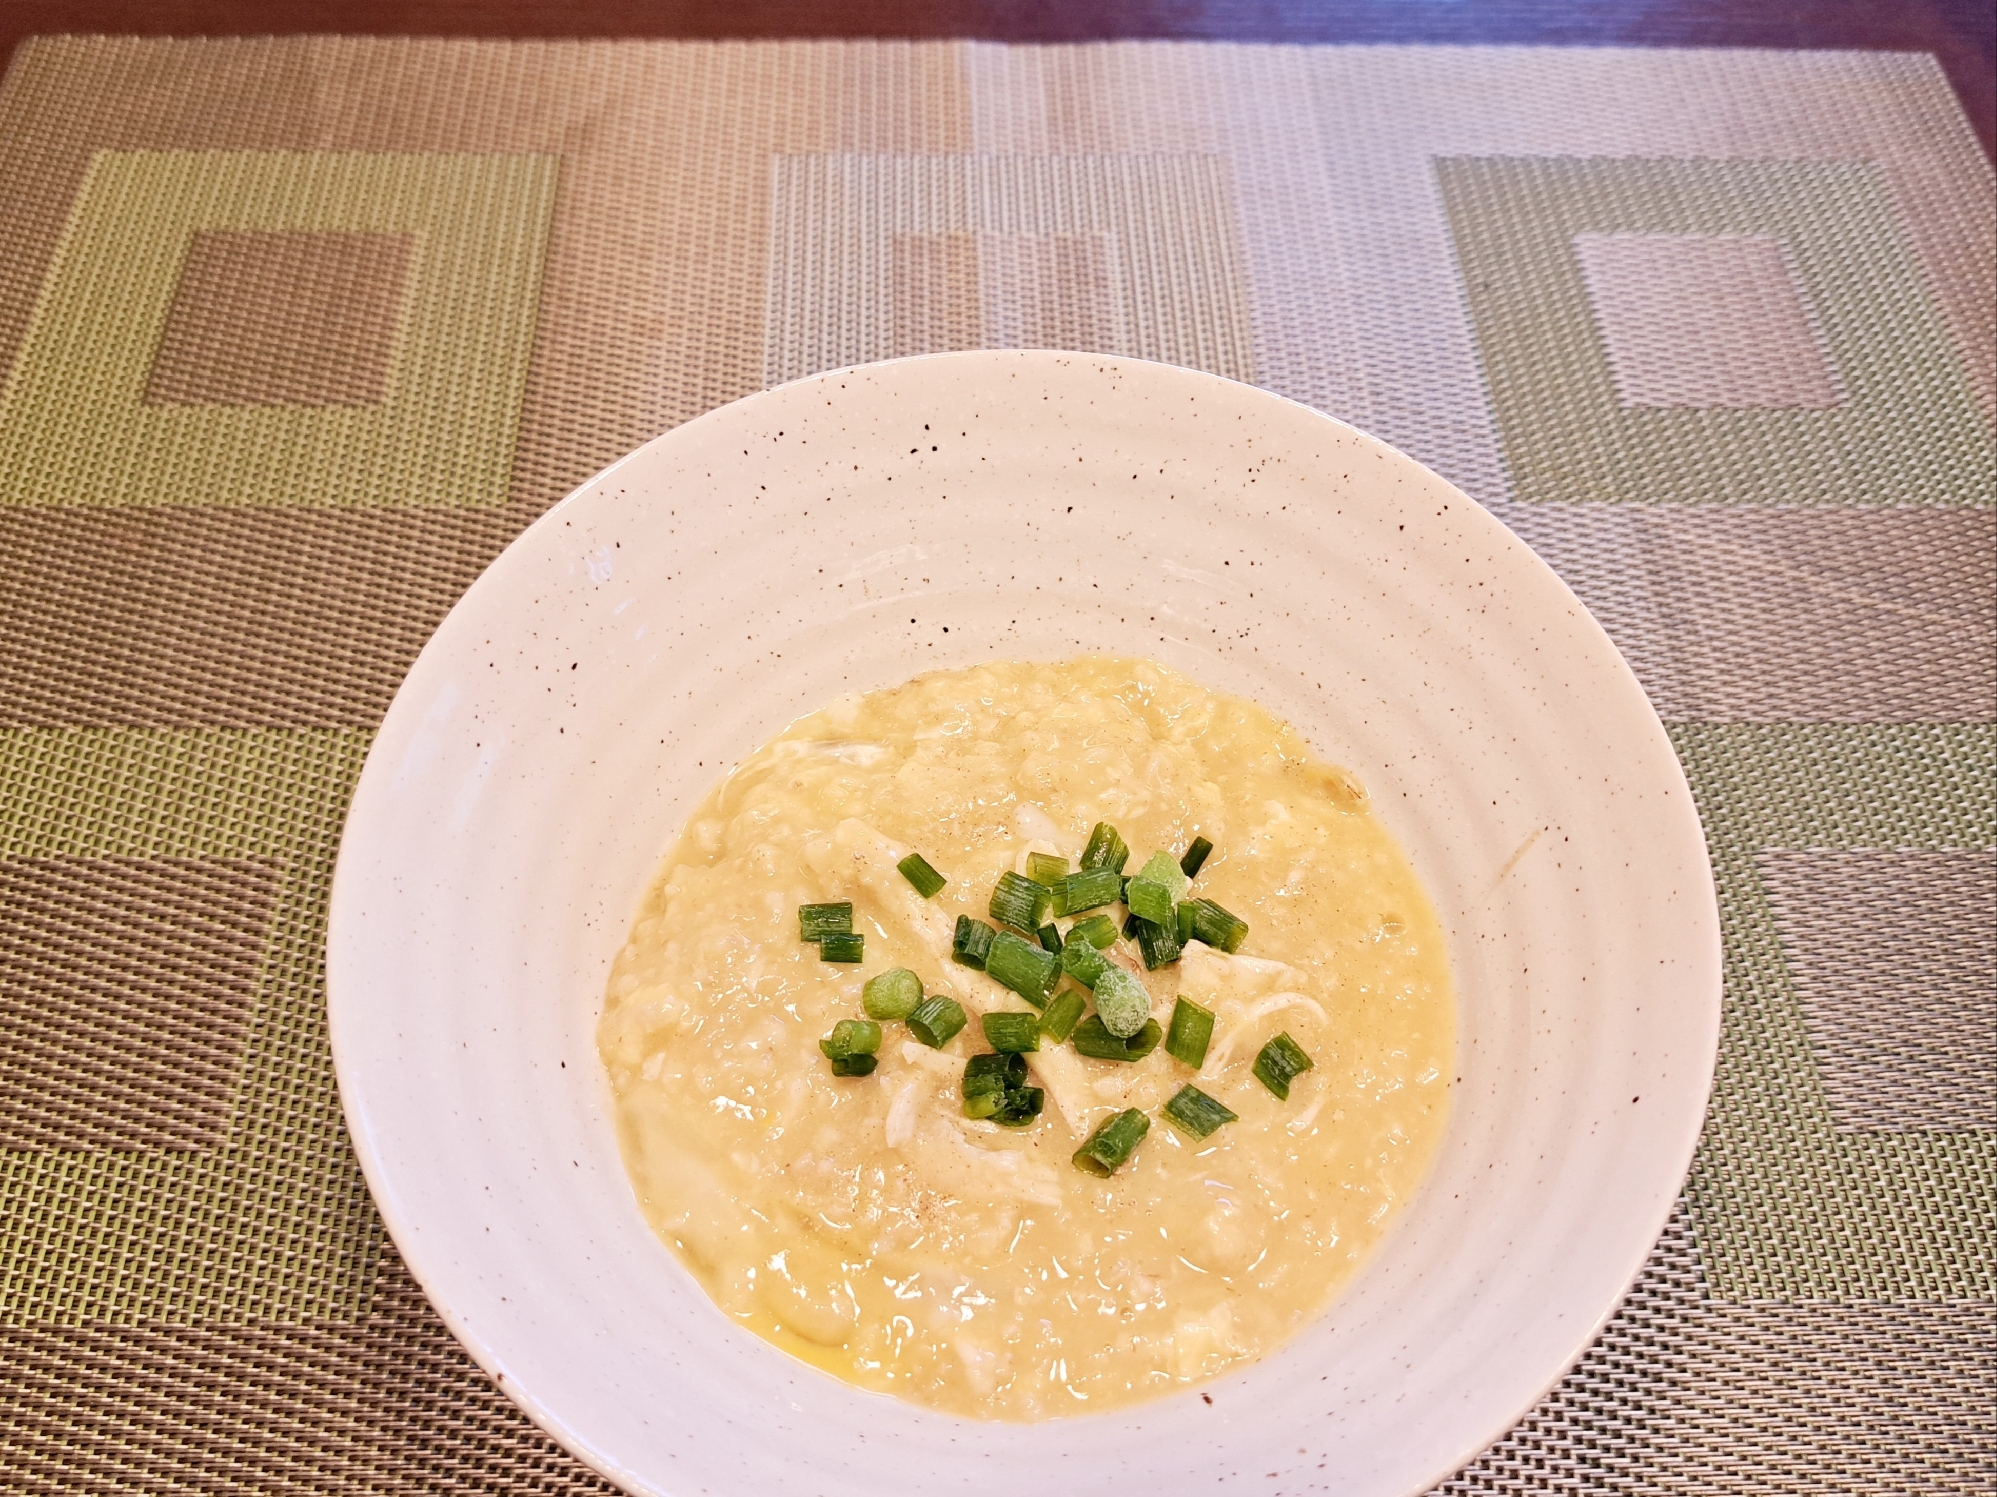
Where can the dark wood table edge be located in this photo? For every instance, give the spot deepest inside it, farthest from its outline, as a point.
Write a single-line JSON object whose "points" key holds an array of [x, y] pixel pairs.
{"points": [[1961, 35]]}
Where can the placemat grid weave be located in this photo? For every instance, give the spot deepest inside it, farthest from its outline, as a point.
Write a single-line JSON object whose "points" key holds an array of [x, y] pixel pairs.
{"points": [[1711, 331]]}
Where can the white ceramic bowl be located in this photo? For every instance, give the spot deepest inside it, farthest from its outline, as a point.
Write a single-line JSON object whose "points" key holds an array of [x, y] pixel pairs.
{"points": [[857, 528]]}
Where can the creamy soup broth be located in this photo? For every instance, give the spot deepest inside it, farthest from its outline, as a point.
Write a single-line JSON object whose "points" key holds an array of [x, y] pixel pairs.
{"points": [[867, 1226]]}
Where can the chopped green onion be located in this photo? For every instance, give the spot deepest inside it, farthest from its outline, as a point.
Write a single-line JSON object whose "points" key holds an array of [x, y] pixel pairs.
{"points": [[1190, 1034], [1090, 890], [1045, 868], [846, 948], [993, 1073], [1058, 1019], [1021, 1107], [995, 1087], [1121, 1002], [1050, 939], [1111, 1145], [855, 1065], [1159, 943], [1195, 857], [972, 940], [936, 1020], [1096, 1042], [1012, 1033], [851, 1037], [1217, 927], [1282, 1060], [1155, 888], [1019, 902], [1081, 961], [988, 1079], [1098, 930], [1105, 850], [892, 994], [817, 921], [1023, 966], [915, 868], [1182, 916], [1196, 1114]]}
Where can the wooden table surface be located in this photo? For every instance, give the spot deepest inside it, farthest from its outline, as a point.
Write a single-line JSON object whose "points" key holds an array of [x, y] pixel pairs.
{"points": [[1962, 34]]}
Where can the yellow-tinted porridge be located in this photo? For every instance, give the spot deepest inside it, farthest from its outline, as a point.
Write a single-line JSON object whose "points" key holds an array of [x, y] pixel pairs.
{"points": [[864, 1222]]}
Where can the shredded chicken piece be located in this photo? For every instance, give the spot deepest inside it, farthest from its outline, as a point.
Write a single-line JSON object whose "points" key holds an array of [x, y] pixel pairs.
{"points": [[901, 1115], [919, 1054], [1203, 966], [871, 858], [1060, 1071], [1245, 1022]]}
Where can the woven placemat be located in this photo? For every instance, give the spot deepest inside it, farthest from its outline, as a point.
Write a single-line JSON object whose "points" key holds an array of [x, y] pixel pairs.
{"points": [[299, 333]]}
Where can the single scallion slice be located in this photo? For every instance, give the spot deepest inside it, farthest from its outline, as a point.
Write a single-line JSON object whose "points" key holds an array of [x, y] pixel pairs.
{"points": [[1196, 1114], [817, 921], [1023, 966], [1059, 1018], [1021, 1107], [1050, 939], [1105, 850], [915, 868], [1109, 1148], [1182, 914], [1155, 888], [1019, 902], [855, 1065], [1217, 927], [1012, 1033], [988, 1080], [995, 1087], [1159, 943], [1121, 1001], [1098, 930], [1096, 1042], [845, 948], [1282, 1060], [1190, 1034], [1081, 961], [936, 1020], [1195, 857], [1045, 868], [993, 1073], [1090, 890], [851, 1037], [892, 994], [970, 943]]}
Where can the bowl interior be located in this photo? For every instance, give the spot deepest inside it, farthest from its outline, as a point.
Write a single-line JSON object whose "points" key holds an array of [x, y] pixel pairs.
{"points": [[848, 532]]}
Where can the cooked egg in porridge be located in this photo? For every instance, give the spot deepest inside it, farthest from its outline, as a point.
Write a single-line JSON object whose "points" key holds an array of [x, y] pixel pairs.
{"points": [[1029, 1040]]}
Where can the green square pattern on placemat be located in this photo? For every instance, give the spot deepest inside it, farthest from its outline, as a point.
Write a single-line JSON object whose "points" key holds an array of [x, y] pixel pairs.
{"points": [[86, 418], [271, 1220], [1788, 1205], [1906, 430]]}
